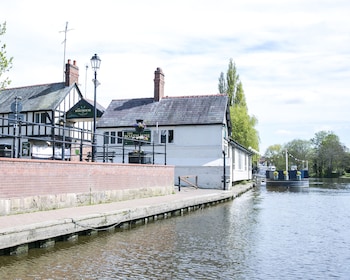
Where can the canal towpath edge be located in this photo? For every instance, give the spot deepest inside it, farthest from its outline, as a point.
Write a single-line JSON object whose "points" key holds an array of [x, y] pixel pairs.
{"points": [[16, 230]]}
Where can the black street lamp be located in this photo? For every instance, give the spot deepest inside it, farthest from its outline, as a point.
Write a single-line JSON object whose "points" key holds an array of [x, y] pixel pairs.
{"points": [[63, 124], [95, 65]]}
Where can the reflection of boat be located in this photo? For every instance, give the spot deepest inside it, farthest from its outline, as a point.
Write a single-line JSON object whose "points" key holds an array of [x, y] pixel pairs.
{"points": [[259, 180], [291, 182], [287, 189], [287, 179]]}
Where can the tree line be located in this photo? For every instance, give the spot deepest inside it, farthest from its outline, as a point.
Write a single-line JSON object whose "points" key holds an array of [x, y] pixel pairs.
{"points": [[324, 155]]}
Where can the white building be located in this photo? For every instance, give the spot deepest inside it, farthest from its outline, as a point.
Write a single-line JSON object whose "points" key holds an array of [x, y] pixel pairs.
{"points": [[190, 132]]}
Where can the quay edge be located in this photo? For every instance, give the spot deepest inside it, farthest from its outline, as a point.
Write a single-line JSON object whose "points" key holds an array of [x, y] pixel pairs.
{"points": [[43, 229]]}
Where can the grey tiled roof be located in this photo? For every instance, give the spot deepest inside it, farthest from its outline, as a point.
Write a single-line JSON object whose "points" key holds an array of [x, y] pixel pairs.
{"points": [[34, 98], [184, 110]]}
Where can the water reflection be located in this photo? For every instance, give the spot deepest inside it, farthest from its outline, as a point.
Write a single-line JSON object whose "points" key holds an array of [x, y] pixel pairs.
{"points": [[207, 243], [330, 183], [308, 231], [261, 235], [287, 189]]}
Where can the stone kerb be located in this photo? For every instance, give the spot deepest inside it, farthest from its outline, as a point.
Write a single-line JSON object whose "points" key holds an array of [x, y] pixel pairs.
{"points": [[36, 185]]}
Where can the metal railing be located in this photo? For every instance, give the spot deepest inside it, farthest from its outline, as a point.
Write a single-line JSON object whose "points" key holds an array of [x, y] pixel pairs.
{"points": [[71, 143]]}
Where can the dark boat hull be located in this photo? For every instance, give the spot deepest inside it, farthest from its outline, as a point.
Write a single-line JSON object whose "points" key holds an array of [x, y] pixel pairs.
{"points": [[288, 183]]}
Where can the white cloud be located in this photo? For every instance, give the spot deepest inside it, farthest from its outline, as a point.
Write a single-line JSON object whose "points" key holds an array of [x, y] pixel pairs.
{"points": [[292, 56]]}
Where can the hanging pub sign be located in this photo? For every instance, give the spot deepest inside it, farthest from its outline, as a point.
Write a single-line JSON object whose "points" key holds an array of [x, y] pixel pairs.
{"points": [[131, 136], [83, 109]]}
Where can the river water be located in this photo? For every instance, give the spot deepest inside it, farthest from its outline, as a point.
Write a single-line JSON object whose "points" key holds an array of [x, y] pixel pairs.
{"points": [[264, 234]]}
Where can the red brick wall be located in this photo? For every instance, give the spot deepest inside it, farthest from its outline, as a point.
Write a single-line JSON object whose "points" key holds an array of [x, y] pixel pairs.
{"points": [[38, 179]]}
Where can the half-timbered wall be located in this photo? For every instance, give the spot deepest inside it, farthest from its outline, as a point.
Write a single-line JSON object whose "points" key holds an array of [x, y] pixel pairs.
{"points": [[45, 126]]}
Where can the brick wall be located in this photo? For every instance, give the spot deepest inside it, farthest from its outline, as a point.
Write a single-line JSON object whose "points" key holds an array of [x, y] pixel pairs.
{"points": [[34, 185]]}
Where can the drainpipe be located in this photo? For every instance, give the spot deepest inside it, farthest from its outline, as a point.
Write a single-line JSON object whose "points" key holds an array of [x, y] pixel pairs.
{"points": [[224, 179], [165, 153], [287, 176]]}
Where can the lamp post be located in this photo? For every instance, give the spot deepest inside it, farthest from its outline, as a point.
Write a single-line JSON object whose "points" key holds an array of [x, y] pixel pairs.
{"points": [[63, 124], [95, 65], [16, 107]]}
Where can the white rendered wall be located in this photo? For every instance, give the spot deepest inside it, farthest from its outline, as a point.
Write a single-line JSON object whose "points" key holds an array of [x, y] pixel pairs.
{"points": [[198, 151]]}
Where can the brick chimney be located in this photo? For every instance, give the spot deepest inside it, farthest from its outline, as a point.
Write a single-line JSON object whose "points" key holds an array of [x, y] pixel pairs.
{"points": [[158, 84], [72, 73]]}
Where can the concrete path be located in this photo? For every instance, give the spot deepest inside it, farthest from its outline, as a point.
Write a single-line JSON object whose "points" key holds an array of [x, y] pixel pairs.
{"points": [[21, 229]]}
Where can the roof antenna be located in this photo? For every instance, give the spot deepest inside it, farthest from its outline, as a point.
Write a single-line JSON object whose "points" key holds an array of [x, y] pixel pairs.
{"points": [[86, 67], [64, 52]]}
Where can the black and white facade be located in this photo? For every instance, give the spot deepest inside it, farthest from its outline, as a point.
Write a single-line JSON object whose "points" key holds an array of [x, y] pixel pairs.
{"points": [[43, 121]]}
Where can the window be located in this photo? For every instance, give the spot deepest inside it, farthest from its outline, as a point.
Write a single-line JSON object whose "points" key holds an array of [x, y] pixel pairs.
{"points": [[120, 137], [40, 117], [112, 137], [163, 136], [240, 160], [170, 136], [109, 137], [106, 137], [167, 135]]}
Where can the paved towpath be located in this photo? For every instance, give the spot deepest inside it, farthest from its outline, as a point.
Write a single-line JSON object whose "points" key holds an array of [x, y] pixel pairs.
{"points": [[13, 228]]}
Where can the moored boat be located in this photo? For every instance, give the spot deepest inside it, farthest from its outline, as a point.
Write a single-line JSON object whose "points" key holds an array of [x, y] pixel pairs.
{"points": [[287, 178], [291, 178]]}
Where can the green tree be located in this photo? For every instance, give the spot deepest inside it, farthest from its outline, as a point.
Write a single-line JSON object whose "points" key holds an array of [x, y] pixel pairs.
{"points": [[319, 138], [275, 156], [329, 158], [243, 125], [222, 83], [239, 98], [232, 79], [299, 153], [5, 63], [325, 155], [346, 162]]}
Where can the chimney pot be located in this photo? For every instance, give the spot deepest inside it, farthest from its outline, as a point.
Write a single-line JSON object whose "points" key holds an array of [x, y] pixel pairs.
{"points": [[158, 84], [72, 73]]}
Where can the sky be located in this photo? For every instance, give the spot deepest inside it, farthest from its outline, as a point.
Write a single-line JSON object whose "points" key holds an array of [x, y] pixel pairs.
{"points": [[292, 56]]}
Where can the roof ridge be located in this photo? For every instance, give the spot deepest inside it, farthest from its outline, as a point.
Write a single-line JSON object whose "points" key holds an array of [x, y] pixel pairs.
{"points": [[172, 97], [135, 98], [194, 96], [46, 84]]}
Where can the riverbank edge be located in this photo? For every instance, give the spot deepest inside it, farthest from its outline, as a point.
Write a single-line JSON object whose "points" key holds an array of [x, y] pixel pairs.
{"points": [[19, 233]]}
